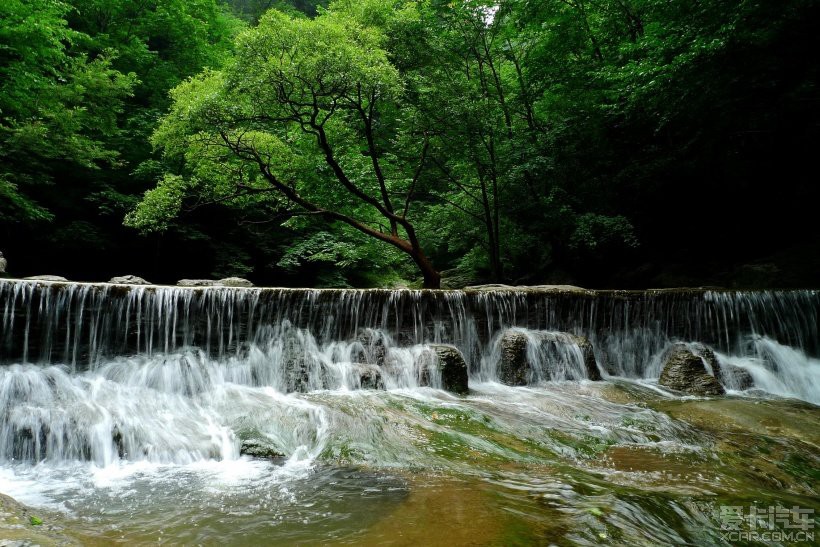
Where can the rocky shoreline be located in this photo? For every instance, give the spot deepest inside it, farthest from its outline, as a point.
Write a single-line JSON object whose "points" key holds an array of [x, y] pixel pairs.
{"points": [[22, 526]]}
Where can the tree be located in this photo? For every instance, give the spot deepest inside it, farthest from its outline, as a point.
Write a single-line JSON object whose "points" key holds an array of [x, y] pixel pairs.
{"points": [[163, 42], [474, 128], [252, 10], [306, 120], [82, 86], [493, 126], [58, 106]]}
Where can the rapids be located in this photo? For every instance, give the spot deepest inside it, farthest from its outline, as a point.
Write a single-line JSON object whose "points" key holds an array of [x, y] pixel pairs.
{"points": [[123, 413]]}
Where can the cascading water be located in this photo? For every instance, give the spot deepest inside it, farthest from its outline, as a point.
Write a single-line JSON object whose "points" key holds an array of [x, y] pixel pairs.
{"points": [[143, 384], [303, 339]]}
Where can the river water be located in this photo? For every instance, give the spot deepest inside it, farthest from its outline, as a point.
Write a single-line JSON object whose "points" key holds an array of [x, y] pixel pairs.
{"points": [[125, 410]]}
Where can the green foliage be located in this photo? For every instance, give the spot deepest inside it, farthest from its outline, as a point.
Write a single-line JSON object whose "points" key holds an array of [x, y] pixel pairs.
{"points": [[82, 85], [252, 10], [58, 105], [159, 205], [592, 231], [321, 247], [164, 42], [511, 141], [344, 257], [300, 122], [67, 72]]}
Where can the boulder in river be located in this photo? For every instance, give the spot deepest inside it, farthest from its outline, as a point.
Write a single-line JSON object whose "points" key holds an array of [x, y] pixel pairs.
{"points": [[706, 353], [53, 278], [730, 376], [734, 377], [452, 368], [684, 371], [225, 282], [259, 448], [556, 350], [495, 287], [234, 282], [197, 283], [129, 280], [514, 366], [370, 376], [3, 264], [374, 344], [584, 346]]}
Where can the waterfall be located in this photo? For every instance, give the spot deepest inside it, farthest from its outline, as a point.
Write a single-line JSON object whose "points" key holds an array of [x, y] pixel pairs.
{"points": [[100, 372], [82, 325]]}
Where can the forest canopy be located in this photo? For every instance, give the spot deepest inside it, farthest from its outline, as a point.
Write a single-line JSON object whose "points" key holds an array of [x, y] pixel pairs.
{"points": [[393, 143]]}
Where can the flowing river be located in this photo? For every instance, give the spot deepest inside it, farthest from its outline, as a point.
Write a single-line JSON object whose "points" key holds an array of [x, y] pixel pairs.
{"points": [[148, 415]]}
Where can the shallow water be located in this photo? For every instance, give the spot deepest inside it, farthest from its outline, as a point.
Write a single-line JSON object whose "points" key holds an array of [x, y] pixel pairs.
{"points": [[563, 463]]}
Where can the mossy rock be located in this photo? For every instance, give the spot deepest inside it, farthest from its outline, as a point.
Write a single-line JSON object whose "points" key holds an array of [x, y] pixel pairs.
{"points": [[260, 448], [452, 367], [684, 371]]}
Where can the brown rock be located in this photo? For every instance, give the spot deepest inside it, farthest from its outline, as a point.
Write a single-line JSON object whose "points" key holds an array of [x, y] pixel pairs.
{"points": [[452, 367], [684, 371]]}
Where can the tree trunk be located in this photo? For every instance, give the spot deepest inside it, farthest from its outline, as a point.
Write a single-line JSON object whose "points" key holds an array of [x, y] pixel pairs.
{"points": [[432, 279], [496, 266]]}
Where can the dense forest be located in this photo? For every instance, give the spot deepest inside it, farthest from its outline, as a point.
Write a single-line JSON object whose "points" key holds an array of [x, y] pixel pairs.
{"points": [[607, 143]]}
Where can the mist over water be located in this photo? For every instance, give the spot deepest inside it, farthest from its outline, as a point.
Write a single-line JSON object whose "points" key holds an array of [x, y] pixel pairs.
{"points": [[126, 408]]}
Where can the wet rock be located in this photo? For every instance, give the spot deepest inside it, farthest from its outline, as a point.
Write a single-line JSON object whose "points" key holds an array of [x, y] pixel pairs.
{"points": [[259, 448], [452, 368], [515, 369], [21, 526], [734, 377], [491, 287], [370, 377], [129, 280], [730, 376], [560, 288], [119, 442], [225, 282], [374, 345], [302, 369], [456, 279], [54, 278], [709, 358], [197, 283], [684, 371], [297, 372], [3, 264], [529, 288], [234, 282], [584, 345]]}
